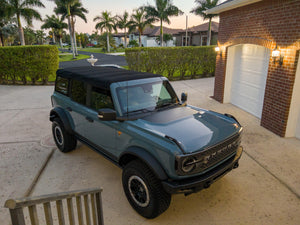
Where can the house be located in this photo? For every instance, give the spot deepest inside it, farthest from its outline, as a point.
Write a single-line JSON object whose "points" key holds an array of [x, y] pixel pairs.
{"points": [[197, 35], [149, 37], [257, 68]]}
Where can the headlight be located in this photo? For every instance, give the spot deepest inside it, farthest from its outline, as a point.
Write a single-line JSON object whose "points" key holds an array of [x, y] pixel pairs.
{"points": [[188, 164]]}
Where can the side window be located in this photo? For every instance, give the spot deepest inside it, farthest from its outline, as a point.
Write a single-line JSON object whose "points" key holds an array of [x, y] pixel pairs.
{"points": [[100, 99], [62, 85], [78, 91]]}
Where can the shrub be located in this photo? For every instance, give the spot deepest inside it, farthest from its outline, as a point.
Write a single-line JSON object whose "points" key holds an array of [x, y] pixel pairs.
{"points": [[21, 63], [185, 61]]}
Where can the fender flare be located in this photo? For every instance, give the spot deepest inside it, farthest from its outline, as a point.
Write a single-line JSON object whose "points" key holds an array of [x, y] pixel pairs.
{"points": [[145, 157], [61, 114]]}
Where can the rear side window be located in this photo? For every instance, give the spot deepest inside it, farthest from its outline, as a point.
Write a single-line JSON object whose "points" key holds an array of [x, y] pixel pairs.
{"points": [[78, 91], [62, 85]]}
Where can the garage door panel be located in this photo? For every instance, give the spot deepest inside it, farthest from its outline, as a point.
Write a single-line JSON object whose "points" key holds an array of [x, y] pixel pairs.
{"points": [[249, 74]]}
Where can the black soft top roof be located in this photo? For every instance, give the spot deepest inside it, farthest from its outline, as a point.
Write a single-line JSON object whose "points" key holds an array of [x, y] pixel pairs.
{"points": [[102, 77]]}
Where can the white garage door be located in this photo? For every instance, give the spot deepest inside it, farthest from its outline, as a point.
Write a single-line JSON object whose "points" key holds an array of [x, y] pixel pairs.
{"points": [[246, 75]]}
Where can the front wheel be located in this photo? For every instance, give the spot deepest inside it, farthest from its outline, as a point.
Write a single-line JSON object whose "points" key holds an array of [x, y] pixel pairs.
{"points": [[144, 190]]}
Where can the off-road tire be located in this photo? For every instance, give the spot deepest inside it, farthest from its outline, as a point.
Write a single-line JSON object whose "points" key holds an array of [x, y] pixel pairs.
{"points": [[155, 199], [64, 141]]}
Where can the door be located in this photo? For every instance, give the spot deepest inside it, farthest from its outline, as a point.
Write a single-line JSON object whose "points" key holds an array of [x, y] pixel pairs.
{"points": [[100, 133], [246, 75]]}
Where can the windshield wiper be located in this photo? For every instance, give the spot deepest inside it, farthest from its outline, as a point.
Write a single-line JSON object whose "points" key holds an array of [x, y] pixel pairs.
{"points": [[166, 105], [141, 110]]}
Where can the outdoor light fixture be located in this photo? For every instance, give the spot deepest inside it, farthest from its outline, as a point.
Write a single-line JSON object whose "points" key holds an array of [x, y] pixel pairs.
{"points": [[277, 57], [218, 50]]}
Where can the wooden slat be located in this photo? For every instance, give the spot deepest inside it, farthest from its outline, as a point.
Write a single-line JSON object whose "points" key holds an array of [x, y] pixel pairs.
{"points": [[60, 212], [93, 209], [71, 211], [23, 202], [79, 210], [48, 213], [99, 209], [17, 216], [33, 215], [87, 210]]}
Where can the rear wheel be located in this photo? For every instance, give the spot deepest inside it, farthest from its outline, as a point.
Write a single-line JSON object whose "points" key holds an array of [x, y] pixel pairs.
{"points": [[64, 141], [144, 190]]}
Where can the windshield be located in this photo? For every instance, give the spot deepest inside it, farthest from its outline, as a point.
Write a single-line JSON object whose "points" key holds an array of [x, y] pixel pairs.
{"points": [[146, 97]]}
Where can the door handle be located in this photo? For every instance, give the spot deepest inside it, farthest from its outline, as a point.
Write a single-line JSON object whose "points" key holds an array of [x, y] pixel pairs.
{"points": [[89, 119], [69, 109]]}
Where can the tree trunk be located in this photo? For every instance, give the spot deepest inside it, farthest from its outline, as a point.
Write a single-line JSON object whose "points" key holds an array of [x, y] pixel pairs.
{"points": [[140, 40], [21, 32], [60, 42], [71, 37], [53, 36], [161, 34], [74, 35], [209, 33], [1, 39], [107, 41], [125, 38]]}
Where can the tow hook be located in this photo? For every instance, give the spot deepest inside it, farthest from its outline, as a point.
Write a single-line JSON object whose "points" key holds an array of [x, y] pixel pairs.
{"points": [[207, 185], [236, 165]]}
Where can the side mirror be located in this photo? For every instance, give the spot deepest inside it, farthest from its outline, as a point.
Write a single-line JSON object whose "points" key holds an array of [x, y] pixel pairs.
{"points": [[107, 114], [184, 97]]}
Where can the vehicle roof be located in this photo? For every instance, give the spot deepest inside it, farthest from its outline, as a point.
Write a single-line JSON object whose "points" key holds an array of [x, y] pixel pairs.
{"points": [[102, 77]]}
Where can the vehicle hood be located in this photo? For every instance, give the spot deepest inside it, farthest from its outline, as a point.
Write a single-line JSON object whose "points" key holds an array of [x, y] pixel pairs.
{"points": [[193, 128]]}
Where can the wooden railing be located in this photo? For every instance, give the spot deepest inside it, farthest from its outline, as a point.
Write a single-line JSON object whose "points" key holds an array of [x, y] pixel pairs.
{"points": [[91, 200]]}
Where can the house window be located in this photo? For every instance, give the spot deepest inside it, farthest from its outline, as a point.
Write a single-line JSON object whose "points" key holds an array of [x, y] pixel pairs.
{"points": [[183, 41], [203, 40]]}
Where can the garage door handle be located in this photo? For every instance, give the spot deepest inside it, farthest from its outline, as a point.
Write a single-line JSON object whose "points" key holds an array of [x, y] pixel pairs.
{"points": [[69, 109], [89, 119]]}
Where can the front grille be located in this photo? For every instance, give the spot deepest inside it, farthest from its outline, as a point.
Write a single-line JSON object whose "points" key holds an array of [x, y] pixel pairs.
{"points": [[219, 152], [210, 156]]}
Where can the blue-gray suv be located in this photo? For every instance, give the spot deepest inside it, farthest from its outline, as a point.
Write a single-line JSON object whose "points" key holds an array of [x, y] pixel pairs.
{"points": [[136, 120]]}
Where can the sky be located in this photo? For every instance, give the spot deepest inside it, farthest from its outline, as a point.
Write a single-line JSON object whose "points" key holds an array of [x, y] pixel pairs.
{"points": [[95, 7]]}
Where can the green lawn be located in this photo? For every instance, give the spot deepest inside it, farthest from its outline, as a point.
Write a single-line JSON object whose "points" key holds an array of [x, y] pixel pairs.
{"points": [[63, 57]]}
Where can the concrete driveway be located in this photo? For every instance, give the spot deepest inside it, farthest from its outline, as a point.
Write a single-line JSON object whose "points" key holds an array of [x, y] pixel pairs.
{"points": [[265, 189]]}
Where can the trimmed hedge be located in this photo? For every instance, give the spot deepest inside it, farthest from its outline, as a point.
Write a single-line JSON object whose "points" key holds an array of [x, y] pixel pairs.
{"points": [[24, 63], [193, 61]]}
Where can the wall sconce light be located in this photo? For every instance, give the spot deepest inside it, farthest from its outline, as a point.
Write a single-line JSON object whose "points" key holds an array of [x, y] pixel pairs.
{"points": [[277, 56], [218, 50]]}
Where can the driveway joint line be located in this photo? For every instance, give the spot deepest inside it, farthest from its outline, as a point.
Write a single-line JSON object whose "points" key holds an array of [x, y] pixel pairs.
{"points": [[28, 192], [273, 175]]}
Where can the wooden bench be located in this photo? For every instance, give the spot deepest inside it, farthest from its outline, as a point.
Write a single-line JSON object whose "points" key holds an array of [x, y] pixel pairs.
{"points": [[92, 203]]}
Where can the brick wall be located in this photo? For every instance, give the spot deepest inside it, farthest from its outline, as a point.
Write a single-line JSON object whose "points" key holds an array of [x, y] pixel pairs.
{"points": [[267, 23]]}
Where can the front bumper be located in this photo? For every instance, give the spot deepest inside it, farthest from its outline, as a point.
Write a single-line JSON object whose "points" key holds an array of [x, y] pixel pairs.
{"points": [[195, 184]]}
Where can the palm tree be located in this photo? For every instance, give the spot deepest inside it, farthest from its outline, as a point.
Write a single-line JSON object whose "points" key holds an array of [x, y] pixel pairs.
{"points": [[107, 22], [40, 35], [49, 23], [124, 23], [162, 10], [139, 21], [76, 9], [23, 9], [57, 25], [204, 5], [67, 4]]}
